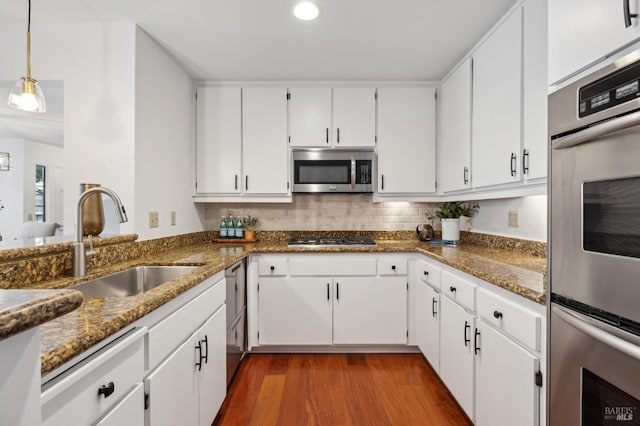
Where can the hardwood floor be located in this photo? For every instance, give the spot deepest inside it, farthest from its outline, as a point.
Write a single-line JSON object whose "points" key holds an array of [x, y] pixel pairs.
{"points": [[338, 389]]}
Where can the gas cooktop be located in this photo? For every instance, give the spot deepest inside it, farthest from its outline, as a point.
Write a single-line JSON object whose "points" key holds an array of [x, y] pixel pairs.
{"points": [[331, 242]]}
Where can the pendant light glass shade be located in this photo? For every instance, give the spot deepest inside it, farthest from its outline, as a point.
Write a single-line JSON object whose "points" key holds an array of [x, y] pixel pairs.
{"points": [[26, 95]]}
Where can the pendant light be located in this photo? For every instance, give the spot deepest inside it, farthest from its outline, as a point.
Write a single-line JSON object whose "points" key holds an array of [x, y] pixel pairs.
{"points": [[27, 95]]}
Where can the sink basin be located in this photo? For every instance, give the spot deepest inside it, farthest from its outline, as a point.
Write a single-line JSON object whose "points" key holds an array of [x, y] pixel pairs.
{"points": [[132, 282]]}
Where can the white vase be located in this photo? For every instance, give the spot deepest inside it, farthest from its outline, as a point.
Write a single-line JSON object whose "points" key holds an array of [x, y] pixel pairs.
{"points": [[451, 229]]}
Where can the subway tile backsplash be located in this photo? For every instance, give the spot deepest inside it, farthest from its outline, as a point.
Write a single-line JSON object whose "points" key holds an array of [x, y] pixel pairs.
{"points": [[327, 212]]}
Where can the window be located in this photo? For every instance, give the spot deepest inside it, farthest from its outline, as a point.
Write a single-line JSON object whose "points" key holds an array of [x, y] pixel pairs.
{"points": [[40, 191]]}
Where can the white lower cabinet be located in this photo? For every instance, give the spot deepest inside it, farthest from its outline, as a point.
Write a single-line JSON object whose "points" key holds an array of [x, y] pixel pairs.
{"points": [[330, 299], [428, 323], [506, 393], [127, 412], [456, 352], [295, 311]]}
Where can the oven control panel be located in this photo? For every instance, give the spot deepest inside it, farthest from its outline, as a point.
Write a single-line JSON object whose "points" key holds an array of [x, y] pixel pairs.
{"points": [[611, 90]]}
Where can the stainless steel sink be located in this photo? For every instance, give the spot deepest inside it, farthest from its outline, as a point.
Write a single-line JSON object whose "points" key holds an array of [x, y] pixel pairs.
{"points": [[132, 282]]}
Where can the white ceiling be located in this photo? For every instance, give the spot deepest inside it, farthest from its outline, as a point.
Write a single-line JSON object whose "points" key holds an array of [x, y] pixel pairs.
{"points": [[391, 40]]}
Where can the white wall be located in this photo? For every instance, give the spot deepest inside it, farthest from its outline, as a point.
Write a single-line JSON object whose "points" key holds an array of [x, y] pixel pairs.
{"points": [[97, 63], [493, 217], [11, 188], [164, 136]]}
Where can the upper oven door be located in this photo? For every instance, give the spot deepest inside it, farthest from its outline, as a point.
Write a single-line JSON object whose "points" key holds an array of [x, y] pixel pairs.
{"points": [[595, 217]]}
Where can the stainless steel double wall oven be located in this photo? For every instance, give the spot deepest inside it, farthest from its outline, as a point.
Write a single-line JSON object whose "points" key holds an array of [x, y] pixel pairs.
{"points": [[594, 356]]}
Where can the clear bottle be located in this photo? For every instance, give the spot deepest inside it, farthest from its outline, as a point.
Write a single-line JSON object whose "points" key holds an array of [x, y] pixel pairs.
{"points": [[224, 229], [239, 228]]}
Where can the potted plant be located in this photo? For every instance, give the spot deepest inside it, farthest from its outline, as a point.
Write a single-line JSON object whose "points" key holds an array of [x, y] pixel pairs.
{"points": [[449, 215], [249, 223]]}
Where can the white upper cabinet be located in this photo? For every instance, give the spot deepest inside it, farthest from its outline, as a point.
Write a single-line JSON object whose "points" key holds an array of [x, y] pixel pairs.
{"points": [[354, 117], [582, 32], [497, 105], [534, 103], [264, 141], [406, 140], [310, 117], [325, 117], [455, 130], [218, 143]]}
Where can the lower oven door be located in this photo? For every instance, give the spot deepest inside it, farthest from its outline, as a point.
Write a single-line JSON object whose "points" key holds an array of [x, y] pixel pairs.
{"points": [[594, 372]]}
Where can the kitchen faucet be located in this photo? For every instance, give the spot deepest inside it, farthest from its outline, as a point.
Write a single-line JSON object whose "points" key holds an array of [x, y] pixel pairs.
{"points": [[79, 253]]}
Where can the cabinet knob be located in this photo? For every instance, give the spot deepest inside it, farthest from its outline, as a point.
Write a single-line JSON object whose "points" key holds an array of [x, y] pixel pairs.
{"points": [[426, 273], [273, 268], [107, 389], [393, 267], [497, 314], [452, 289]]}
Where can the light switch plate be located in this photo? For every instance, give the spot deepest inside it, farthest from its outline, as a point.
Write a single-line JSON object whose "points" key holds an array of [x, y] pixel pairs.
{"points": [[153, 220], [513, 218], [173, 218]]}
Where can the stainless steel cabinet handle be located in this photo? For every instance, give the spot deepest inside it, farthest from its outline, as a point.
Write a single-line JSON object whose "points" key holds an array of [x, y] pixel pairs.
{"points": [[591, 328], [512, 164], [525, 161], [627, 14], [465, 175]]}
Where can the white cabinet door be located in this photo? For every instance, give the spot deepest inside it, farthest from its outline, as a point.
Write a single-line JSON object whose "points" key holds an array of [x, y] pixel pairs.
{"points": [[264, 147], [497, 109], [456, 352], [455, 130], [534, 102], [585, 31], [310, 117], [213, 375], [370, 310], [218, 140], [128, 412], [506, 394], [173, 388], [406, 140], [354, 117], [294, 311], [428, 327]]}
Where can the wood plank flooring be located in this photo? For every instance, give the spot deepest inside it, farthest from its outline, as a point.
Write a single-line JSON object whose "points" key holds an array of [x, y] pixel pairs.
{"points": [[338, 389]]}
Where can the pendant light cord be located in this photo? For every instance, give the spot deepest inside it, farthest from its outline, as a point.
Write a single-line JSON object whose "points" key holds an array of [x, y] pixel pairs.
{"points": [[29, 18], [29, 43]]}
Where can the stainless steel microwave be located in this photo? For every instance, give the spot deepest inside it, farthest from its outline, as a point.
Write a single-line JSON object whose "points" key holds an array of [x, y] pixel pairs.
{"points": [[333, 171]]}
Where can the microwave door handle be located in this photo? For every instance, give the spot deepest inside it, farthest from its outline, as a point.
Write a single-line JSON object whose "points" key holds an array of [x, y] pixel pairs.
{"points": [[590, 133], [591, 329], [353, 173]]}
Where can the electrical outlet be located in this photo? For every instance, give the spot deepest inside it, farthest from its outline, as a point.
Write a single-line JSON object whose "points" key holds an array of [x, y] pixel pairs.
{"points": [[173, 218], [153, 220], [513, 218]]}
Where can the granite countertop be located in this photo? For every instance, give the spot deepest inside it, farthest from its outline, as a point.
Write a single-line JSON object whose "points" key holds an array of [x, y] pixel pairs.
{"points": [[98, 318], [21, 310]]}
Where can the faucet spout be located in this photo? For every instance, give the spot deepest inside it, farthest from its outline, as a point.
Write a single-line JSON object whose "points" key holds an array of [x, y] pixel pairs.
{"points": [[79, 252]]}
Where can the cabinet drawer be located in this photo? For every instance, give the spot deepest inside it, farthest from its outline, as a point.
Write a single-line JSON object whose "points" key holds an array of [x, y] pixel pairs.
{"points": [[459, 289], [429, 274], [332, 266], [73, 399], [515, 320], [170, 333], [129, 412], [273, 267], [392, 266]]}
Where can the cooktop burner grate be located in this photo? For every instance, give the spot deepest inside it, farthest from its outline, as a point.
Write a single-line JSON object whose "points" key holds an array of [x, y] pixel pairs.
{"points": [[331, 242]]}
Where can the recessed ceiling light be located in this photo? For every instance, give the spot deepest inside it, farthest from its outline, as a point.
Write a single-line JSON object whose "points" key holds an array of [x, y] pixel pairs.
{"points": [[306, 11]]}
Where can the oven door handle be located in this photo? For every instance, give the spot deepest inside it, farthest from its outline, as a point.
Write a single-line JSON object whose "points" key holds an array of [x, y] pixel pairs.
{"points": [[591, 328], [590, 133]]}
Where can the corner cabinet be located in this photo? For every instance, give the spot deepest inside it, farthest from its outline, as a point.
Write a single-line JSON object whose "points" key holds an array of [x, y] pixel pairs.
{"points": [[586, 31], [241, 144], [326, 299], [406, 140]]}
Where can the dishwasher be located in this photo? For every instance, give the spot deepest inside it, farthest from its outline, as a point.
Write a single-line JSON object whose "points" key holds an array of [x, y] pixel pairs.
{"points": [[236, 316]]}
